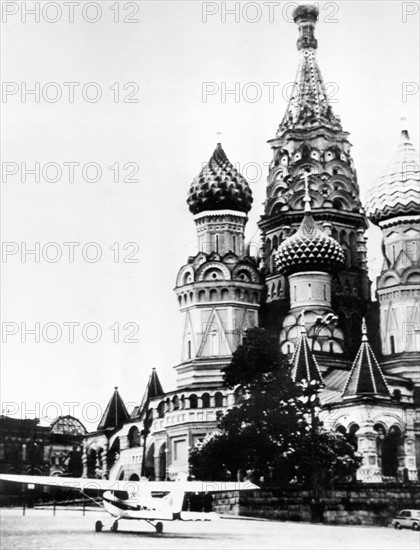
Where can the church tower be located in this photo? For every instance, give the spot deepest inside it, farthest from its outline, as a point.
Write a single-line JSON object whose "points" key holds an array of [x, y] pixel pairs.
{"points": [[308, 259], [393, 203], [219, 289], [310, 139]]}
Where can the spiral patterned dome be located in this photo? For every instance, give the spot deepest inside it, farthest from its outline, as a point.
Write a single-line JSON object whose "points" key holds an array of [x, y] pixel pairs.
{"points": [[397, 191], [219, 186], [309, 249]]}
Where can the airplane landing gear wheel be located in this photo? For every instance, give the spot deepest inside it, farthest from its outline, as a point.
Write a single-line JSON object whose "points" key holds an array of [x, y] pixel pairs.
{"points": [[98, 526], [114, 527], [159, 527]]}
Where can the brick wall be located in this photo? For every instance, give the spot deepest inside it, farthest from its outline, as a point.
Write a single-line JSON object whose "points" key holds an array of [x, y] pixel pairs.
{"points": [[373, 504]]}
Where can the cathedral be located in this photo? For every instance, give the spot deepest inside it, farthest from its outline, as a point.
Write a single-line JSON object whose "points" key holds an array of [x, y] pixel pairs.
{"points": [[309, 287]]}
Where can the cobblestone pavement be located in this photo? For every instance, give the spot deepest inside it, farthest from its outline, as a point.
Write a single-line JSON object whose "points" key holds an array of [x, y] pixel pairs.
{"points": [[69, 529]]}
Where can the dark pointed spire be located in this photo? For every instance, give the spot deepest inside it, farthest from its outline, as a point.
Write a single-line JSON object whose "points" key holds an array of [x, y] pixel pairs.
{"points": [[304, 364], [115, 413], [366, 377], [153, 389]]}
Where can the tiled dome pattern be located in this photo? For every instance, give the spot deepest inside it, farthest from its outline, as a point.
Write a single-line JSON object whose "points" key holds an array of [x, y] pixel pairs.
{"points": [[309, 249], [397, 191], [219, 186]]}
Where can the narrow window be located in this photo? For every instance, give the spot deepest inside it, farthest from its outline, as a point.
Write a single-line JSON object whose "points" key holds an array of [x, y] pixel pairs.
{"points": [[392, 343], [217, 243], [234, 243], [294, 292], [310, 291], [393, 252], [189, 349], [325, 292]]}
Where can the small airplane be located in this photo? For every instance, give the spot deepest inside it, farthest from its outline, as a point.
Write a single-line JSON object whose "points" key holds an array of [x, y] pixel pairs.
{"points": [[150, 501]]}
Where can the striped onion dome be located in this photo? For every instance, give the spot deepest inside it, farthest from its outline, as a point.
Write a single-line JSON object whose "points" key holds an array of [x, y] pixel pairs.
{"points": [[309, 249], [397, 191], [219, 186]]}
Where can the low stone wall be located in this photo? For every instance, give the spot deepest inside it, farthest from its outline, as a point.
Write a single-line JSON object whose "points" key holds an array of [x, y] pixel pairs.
{"points": [[373, 504]]}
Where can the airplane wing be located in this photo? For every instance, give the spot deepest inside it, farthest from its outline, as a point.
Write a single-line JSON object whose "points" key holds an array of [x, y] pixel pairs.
{"points": [[132, 487]]}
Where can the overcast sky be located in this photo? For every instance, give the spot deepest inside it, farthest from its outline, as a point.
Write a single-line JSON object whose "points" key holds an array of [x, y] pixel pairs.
{"points": [[366, 51]]}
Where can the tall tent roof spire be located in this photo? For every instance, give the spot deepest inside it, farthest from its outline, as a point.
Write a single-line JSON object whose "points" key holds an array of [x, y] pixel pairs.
{"points": [[304, 364], [115, 413], [309, 106], [366, 377], [153, 389]]}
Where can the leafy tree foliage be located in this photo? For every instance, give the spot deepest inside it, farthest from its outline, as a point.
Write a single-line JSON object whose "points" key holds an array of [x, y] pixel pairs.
{"points": [[273, 432]]}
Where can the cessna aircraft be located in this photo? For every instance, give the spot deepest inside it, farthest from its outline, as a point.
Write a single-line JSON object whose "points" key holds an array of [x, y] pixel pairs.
{"points": [[145, 500]]}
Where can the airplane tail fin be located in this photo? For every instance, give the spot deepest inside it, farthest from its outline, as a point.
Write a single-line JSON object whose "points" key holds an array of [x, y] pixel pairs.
{"points": [[175, 499]]}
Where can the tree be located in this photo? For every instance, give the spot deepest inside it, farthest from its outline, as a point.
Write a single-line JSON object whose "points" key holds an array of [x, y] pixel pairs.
{"points": [[275, 431], [324, 458], [258, 435]]}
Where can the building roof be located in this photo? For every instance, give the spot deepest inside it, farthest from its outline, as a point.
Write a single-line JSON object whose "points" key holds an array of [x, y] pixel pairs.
{"points": [[366, 376], [219, 186], [67, 425], [153, 389], [308, 106], [397, 190], [115, 413], [304, 364]]}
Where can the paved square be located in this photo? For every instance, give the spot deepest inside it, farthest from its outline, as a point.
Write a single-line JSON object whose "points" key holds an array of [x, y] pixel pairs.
{"points": [[39, 529]]}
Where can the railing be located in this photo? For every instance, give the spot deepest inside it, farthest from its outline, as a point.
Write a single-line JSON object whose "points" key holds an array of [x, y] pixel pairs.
{"points": [[184, 416]]}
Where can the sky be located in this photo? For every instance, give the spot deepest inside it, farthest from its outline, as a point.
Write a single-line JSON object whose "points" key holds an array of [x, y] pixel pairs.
{"points": [[118, 149]]}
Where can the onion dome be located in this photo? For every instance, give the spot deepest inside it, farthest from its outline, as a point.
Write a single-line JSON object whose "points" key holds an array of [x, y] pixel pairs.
{"points": [[397, 191], [309, 249], [219, 186]]}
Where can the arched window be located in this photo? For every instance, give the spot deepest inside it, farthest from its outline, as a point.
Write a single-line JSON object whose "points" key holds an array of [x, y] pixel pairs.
{"points": [[193, 401], [161, 409], [134, 437], [390, 449], [225, 294], [352, 437], [175, 403], [218, 399], [206, 400]]}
